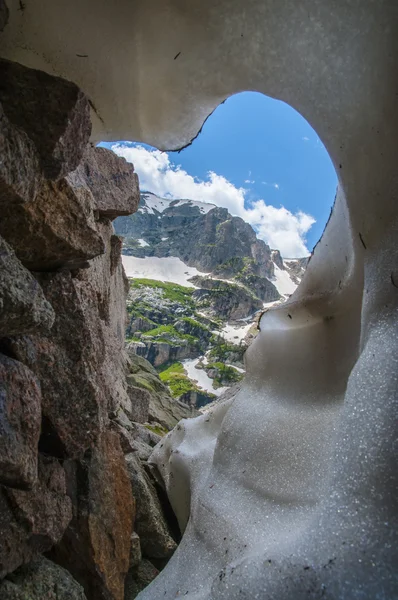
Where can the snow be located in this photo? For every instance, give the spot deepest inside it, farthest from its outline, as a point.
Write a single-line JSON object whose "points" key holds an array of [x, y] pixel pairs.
{"points": [[164, 239], [204, 207], [155, 203], [282, 281], [142, 243], [201, 377], [234, 334], [167, 269]]}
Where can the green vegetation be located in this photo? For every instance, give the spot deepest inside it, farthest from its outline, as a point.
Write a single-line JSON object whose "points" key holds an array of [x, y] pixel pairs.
{"points": [[224, 374], [132, 338], [158, 429], [222, 350], [163, 329], [168, 333], [174, 377], [171, 291], [194, 323]]}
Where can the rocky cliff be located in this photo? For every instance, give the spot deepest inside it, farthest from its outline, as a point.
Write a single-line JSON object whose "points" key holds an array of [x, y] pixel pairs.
{"points": [[78, 415], [202, 235], [210, 278]]}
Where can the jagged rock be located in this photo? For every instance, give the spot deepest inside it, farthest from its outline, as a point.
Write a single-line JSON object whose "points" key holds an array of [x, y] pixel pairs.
{"points": [[106, 276], [4, 14], [112, 182], [20, 422], [296, 268], [277, 258], [160, 353], [138, 578], [224, 299], [41, 580], [20, 173], [55, 231], [163, 408], [33, 521], [68, 364], [201, 235], [53, 112], [135, 550], [139, 404], [23, 307], [96, 545], [151, 526]]}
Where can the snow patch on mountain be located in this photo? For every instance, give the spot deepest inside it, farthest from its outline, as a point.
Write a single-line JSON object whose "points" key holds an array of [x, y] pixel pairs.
{"points": [[154, 204], [283, 282], [201, 377], [168, 269]]}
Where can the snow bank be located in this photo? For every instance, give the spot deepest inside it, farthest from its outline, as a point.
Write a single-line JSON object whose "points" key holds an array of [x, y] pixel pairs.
{"points": [[170, 269], [282, 281], [200, 377]]}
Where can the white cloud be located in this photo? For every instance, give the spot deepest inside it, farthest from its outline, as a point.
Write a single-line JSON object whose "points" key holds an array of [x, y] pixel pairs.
{"points": [[278, 227], [249, 181], [305, 139], [276, 186]]}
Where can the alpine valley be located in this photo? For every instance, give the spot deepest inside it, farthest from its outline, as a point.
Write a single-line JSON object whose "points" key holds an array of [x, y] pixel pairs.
{"points": [[198, 280]]}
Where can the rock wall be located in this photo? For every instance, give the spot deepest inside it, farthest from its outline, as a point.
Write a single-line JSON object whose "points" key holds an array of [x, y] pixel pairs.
{"points": [[68, 412]]}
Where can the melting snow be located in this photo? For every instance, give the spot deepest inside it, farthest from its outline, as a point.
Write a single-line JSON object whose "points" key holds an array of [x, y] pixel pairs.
{"points": [[155, 203], [168, 269], [282, 281], [201, 377], [204, 207], [142, 243], [234, 334]]}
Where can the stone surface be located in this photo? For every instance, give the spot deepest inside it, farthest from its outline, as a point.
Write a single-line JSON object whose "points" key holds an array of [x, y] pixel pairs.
{"points": [[4, 14], [96, 545], [138, 578], [68, 362], [163, 408], [23, 307], [41, 580], [150, 524], [20, 423], [20, 173], [53, 112], [80, 364], [112, 181], [55, 231], [135, 550], [106, 276], [139, 408], [33, 521]]}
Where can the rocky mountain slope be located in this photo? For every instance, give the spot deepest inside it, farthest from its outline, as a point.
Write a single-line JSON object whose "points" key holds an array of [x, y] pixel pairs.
{"points": [[199, 278]]}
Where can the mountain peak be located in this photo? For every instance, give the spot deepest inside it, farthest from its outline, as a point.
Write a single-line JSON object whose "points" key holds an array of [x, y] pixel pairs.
{"points": [[151, 203]]}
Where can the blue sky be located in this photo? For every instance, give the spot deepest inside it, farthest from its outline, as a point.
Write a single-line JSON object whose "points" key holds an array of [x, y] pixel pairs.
{"points": [[257, 157]]}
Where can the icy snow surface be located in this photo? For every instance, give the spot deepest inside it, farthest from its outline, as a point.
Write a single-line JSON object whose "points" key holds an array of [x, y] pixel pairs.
{"points": [[201, 377], [168, 269]]}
